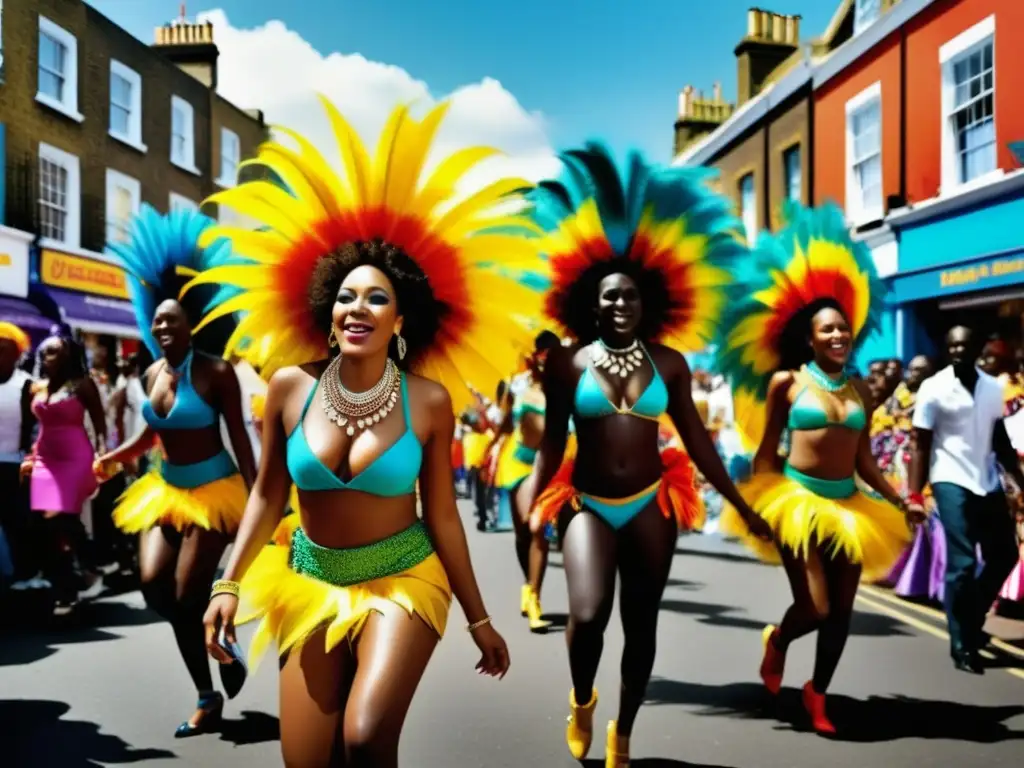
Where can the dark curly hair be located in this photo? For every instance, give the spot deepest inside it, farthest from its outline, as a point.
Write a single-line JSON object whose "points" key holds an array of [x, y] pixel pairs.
{"points": [[576, 305], [213, 338], [794, 341], [414, 296]]}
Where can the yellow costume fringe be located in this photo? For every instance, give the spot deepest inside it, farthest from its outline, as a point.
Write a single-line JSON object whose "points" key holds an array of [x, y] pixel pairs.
{"points": [[474, 448], [291, 606], [151, 501], [866, 530], [510, 470]]}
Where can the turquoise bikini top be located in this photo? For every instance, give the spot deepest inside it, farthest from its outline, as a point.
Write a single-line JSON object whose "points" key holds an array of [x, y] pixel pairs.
{"points": [[808, 410], [393, 473], [189, 411], [592, 403], [524, 404]]}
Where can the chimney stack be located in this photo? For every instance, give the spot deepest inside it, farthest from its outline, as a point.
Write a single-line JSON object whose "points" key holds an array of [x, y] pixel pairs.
{"points": [[190, 46], [771, 38], [699, 116]]}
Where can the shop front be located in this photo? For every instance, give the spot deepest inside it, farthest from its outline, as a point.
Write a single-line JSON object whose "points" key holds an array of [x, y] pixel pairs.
{"points": [[961, 260], [91, 294], [16, 304]]}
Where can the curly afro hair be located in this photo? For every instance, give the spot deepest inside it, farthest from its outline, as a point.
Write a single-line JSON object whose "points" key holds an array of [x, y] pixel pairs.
{"points": [[415, 298], [794, 341], [575, 306]]}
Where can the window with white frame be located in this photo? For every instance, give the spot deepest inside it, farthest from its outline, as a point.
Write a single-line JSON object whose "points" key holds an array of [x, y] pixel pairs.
{"points": [[58, 69], [183, 149], [968, 105], [864, 155], [792, 171], [123, 198], [865, 13], [126, 105], [60, 199], [230, 156], [748, 207], [181, 203]]}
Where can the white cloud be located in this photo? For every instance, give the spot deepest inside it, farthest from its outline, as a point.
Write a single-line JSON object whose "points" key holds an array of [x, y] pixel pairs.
{"points": [[273, 68]]}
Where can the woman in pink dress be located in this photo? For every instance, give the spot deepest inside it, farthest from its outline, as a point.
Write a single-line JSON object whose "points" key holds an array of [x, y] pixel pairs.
{"points": [[60, 464]]}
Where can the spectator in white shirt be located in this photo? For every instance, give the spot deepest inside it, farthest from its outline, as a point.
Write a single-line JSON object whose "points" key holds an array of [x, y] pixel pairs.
{"points": [[15, 440], [959, 435]]}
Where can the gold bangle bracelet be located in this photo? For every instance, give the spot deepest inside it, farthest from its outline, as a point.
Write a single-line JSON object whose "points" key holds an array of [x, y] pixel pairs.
{"points": [[225, 587], [477, 624]]}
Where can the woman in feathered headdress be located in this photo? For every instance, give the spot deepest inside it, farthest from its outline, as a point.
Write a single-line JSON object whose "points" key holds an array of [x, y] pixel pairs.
{"points": [[804, 300], [188, 509], [637, 264], [373, 302]]}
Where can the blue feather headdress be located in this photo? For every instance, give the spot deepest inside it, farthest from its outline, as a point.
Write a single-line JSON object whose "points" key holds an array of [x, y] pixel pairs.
{"points": [[662, 226], [162, 255]]}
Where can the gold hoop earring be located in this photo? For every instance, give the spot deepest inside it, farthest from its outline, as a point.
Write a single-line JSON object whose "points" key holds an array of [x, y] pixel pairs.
{"points": [[402, 346], [332, 340]]}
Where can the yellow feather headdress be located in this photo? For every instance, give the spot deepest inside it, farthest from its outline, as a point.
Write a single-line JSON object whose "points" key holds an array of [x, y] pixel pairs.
{"points": [[454, 240]]}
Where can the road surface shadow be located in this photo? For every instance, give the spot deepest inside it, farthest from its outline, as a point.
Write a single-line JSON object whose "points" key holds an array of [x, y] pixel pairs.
{"points": [[559, 621], [30, 647], [711, 613], [876, 719], [35, 734], [253, 728], [114, 613], [652, 762], [729, 557]]}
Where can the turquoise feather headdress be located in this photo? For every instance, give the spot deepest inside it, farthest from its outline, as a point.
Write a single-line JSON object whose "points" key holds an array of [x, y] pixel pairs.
{"points": [[162, 254], [810, 262], [662, 226]]}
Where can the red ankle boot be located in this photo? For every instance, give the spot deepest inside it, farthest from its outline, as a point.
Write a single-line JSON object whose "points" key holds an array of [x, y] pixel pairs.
{"points": [[774, 661], [814, 703]]}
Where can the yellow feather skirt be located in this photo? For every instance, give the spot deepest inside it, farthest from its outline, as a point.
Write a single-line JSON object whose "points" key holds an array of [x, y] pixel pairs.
{"points": [[152, 501], [511, 470], [290, 607], [864, 529], [474, 449]]}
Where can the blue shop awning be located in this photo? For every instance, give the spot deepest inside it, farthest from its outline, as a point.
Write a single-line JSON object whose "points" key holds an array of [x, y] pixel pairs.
{"points": [[96, 314], [24, 314]]}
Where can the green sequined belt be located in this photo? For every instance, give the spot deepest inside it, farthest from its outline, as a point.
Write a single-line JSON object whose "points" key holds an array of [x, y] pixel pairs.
{"points": [[356, 565]]}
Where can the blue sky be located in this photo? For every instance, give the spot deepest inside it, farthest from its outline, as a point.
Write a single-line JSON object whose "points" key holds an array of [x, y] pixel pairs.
{"points": [[589, 68]]}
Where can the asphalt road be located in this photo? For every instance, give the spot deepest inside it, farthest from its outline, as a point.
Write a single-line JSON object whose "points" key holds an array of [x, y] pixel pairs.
{"points": [[110, 690]]}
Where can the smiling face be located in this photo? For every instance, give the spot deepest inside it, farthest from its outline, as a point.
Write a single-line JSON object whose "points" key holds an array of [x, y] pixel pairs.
{"points": [[53, 357], [171, 328], [365, 314], [830, 338], [619, 308]]}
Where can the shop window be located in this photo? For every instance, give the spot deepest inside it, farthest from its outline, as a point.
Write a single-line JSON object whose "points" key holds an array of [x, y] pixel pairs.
{"points": [[968, 105], [123, 197], [59, 196], [792, 169], [183, 124], [230, 156], [866, 13], [58, 69], [126, 105], [748, 207], [864, 155], [181, 203]]}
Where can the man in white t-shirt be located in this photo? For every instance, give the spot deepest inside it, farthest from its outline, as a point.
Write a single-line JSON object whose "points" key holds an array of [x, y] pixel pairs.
{"points": [[959, 436], [15, 441]]}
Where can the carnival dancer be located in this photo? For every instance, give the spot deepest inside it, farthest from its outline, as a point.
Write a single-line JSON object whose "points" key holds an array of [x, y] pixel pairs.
{"points": [[637, 264], [524, 427], [188, 508], [60, 463], [801, 304], [381, 272]]}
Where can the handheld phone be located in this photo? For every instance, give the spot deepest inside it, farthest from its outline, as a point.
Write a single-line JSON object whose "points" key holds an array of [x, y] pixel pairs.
{"points": [[232, 675]]}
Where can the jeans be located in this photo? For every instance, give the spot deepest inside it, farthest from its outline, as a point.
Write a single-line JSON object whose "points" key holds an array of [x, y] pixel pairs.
{"points": [[971, 521]]}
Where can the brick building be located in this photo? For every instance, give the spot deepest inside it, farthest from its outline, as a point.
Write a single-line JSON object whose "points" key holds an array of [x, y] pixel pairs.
{"points": [[94, 123]]}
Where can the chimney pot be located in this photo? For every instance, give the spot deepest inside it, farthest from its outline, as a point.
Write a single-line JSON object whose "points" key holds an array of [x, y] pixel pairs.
{"points": [[717, 91], [778, 28], [753, 23]]}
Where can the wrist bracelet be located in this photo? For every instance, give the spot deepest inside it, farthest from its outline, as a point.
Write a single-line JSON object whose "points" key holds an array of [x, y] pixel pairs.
{"points": [[477, 624], [915, 498], [225, 587]]}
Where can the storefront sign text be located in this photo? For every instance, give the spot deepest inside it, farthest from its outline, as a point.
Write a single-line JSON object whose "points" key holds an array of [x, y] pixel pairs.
{"points": [[968, 276], [80, 274]]}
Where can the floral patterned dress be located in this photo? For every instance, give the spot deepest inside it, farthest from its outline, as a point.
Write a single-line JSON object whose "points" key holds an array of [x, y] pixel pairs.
{"points": [[920, 572]]}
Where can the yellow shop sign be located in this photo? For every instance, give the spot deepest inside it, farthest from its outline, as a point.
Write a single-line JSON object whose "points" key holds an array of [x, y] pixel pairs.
{"points": [[962, 276], [76, 273]]}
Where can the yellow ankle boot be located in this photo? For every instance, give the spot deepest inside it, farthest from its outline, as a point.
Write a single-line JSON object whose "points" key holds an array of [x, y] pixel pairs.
{"points": [[616, 749], [524, 599], [534, 614], [580, 730]]}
